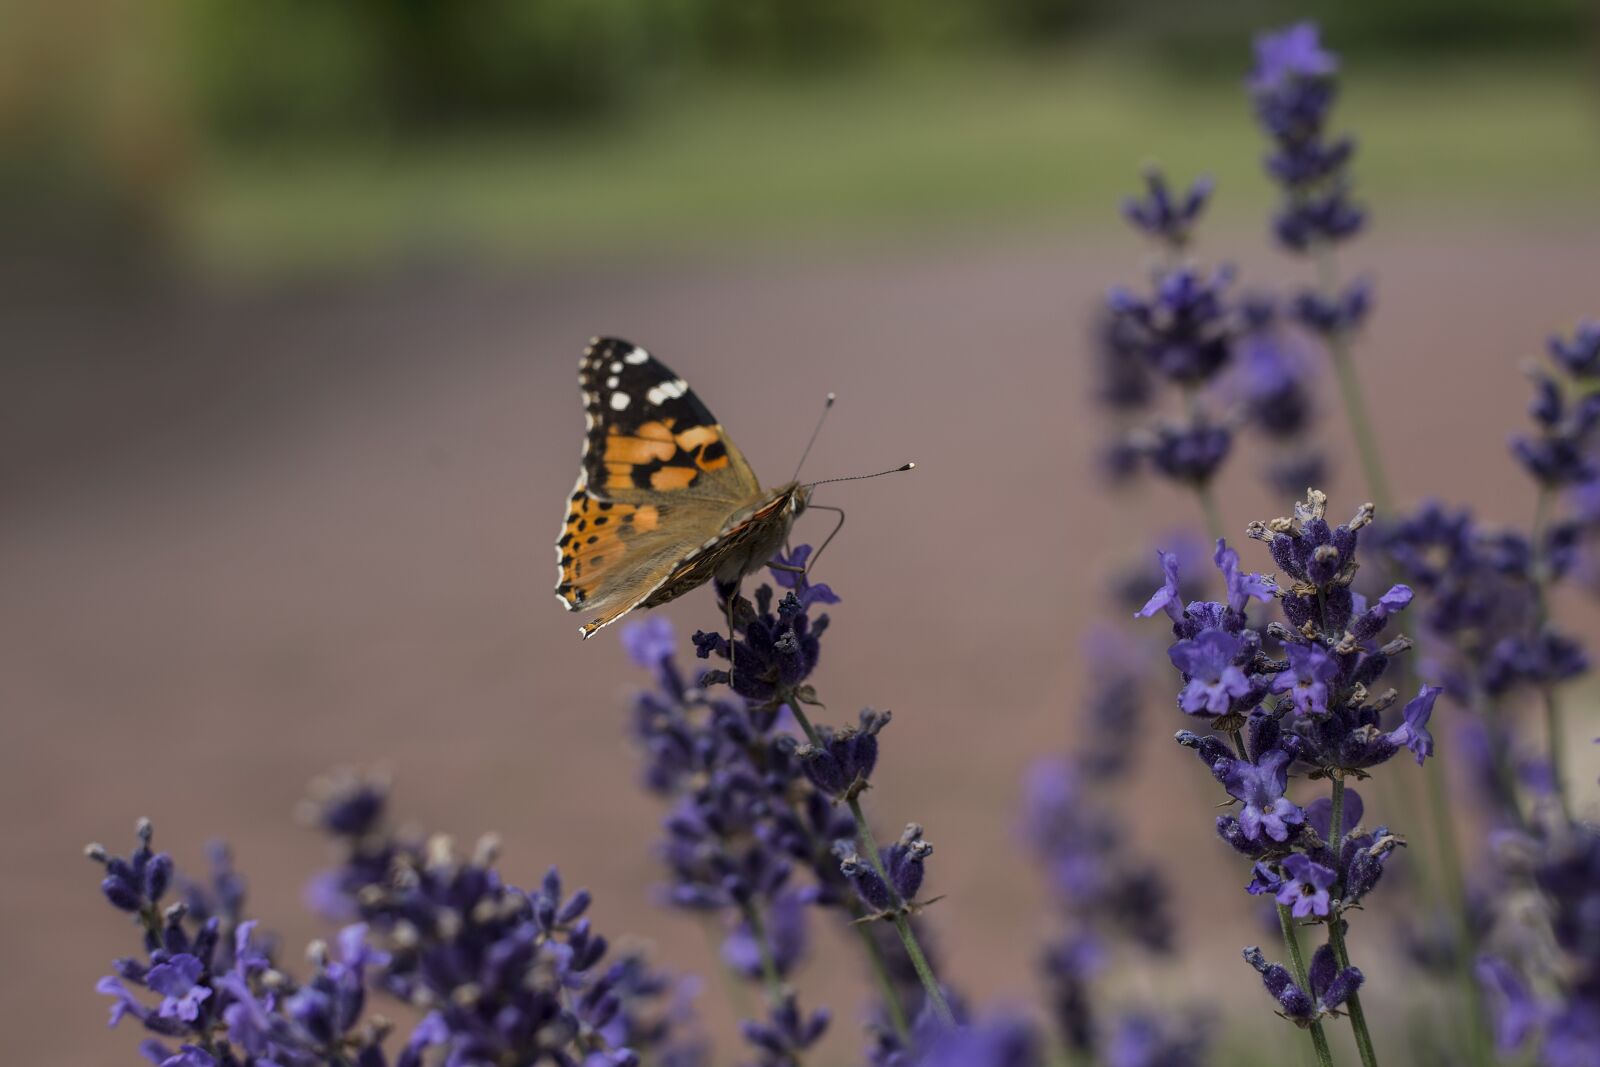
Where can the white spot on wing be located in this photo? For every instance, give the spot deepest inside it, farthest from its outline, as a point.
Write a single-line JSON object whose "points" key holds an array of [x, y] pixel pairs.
{"points": [[611, 382], [636, 357], [619, 401], [616, 367], [667, 391]]}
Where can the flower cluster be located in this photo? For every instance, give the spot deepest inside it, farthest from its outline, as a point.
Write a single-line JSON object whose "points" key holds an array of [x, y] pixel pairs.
{"points": [[1566, 410], [1543, 983], [1103, 891], [1227, 359], [1293, 87], [505, 975], [753, 805], [1274, 380], [1181, 333], [207, 985], [1318, 708], [502, 975]]}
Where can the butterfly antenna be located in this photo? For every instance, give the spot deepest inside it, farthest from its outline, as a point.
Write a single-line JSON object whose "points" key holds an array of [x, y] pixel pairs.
{"points": [[827, 406], [861, 477]]}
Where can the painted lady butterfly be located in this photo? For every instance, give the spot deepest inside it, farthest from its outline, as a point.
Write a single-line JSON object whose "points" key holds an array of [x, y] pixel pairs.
{"points": [[664, 501]]}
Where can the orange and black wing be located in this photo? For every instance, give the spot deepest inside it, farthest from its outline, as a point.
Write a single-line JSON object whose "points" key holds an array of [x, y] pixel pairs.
{"points": [[660, 480]]}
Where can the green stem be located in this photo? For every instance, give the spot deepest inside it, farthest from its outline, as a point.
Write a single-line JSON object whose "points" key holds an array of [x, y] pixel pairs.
{"points": [[805, 722], [1208, 505], [738, 996], [1319, 1039], [886, 989], [902, 925], [1355, 403], [1456, 886], [1553, 735], [1540, 577], [769, 964], [1358, 1017]]}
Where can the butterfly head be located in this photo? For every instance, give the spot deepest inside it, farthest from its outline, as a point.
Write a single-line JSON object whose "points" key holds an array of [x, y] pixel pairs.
{"points": [[796, 498]]}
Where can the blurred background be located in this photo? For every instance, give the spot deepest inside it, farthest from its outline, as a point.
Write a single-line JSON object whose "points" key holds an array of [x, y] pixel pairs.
{"points": [[292, 298]]}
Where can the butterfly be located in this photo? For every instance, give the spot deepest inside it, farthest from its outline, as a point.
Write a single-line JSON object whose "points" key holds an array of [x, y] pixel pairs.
{"points": [[664, 500]]}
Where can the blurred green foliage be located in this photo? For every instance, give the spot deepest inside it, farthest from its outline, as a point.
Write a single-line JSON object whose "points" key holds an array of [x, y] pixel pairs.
{"points": [[266, 130], [273, 68]]}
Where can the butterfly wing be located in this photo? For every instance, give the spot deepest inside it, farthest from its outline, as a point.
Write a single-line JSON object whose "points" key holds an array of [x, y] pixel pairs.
{"points": [[660, 480]]}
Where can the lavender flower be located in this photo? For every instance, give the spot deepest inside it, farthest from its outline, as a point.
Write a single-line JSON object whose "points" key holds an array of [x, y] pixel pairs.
{"points": [[1182, 331], [1188, 453], [1272, 376], [753, 806], [1324, 718], [1148, 1039], [1306, 681], [1329, 985], [780, 1040], [1579, 355], [1293, 87], [212, 987], [1167, 218], [1103, 891], [1305, 890], [1545, 986], [506, 975], [1213, 679], [995, 1043], [1259, 787]]}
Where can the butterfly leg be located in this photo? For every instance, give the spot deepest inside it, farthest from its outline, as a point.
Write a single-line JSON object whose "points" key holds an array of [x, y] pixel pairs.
{"points": [[730, 601]]}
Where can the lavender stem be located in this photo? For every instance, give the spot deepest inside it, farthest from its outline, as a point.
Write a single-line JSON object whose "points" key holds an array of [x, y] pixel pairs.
{"points": [[1319, 1039], [1539, 574], [1358, 1018], [769, 965], [1355, 404], [902, 925], [1208, 505]]}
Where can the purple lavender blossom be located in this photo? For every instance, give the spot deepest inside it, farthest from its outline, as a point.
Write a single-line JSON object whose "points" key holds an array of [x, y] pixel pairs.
{"points": [[1330, 985], [1288, 56], [762, 825], [1212, 677], [1239, 585], [1182, 331], [780, 1039], [1151, 1039], [1305, 890], [1293, 87], [1579, 355], [1259, 787], [996, 1043], [1337, 314], [1167, 218], [1168, 597], [1084, 852], [1311, 669], [1413, 731], [1546, 989], [209, 977]]}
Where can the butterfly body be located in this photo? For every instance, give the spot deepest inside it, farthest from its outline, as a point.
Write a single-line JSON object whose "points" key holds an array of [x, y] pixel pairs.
{"points": [[664, 502]]}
